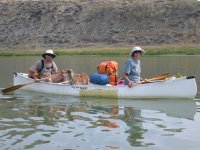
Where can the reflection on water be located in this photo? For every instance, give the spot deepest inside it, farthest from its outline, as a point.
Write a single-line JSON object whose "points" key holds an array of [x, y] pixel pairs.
{"points": [[31, 120], [39, 121]]}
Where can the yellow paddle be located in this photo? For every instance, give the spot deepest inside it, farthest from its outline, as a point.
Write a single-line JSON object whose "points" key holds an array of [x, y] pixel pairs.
{"points": [[12, 88], [160, 77]]}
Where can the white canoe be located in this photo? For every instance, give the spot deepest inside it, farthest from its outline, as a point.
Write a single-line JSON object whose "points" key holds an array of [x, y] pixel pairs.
{"points": [[176, 88]]}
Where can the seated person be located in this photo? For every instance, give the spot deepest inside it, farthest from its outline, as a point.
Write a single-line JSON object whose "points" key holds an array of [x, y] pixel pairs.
{"points": [[44, 68], [132, 67]]}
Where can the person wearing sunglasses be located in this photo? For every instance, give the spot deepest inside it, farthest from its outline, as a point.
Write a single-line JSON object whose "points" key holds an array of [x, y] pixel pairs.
{"points": [[132, 68], [44, 68]]}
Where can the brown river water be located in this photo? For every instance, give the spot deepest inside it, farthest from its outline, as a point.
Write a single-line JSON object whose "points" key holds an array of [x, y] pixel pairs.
{"points": [[31, 120]]}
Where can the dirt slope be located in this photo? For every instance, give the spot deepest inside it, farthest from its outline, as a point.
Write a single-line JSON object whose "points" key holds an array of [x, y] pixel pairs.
{"points": [[74, 23]]}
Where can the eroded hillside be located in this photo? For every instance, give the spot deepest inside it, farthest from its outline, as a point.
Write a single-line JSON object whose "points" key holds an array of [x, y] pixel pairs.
{"points": [[98, 22]]}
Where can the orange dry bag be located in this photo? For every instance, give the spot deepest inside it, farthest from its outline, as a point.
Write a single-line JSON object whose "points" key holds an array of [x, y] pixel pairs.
{"points": [[110, 68]]}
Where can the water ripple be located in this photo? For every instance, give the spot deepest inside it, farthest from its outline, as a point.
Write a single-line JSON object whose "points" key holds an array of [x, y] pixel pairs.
{"points": [[45, 124]]}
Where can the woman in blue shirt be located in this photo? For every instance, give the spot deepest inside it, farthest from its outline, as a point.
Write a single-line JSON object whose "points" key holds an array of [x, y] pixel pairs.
{"points": [[132, 67]]}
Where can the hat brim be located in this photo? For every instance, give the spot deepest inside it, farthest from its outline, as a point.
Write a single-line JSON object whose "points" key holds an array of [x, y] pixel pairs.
{"points": [[142, 52], [53, 55]]}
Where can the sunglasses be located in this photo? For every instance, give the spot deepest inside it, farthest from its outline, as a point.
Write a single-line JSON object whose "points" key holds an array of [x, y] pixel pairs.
{"points": [[49, 55], [138, 52]]}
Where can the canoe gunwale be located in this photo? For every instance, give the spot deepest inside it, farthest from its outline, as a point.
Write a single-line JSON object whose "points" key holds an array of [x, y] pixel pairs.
{"points": [[62, 84], [144, 91]]}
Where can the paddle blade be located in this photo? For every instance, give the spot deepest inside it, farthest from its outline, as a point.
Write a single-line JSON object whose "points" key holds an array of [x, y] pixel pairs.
{"points": [[162, 76], [12, 88], [159, 78]]}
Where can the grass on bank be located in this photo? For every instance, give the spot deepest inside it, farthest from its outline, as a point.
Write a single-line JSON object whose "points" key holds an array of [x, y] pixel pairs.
{"points": [[110, 51]]}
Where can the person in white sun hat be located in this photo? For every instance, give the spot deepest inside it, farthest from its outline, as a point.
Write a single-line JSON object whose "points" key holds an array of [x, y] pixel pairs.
{"points": [[44, 67], [132, 68]]}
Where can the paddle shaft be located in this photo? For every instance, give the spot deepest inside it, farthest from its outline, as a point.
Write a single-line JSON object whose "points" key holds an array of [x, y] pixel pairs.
{"points": [[12, 88], [160, 77], [153, 79]]}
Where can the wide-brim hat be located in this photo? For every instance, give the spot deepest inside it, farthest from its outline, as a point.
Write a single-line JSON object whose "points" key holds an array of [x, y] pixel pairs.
{"points": [[49, 51], [137, 49]]}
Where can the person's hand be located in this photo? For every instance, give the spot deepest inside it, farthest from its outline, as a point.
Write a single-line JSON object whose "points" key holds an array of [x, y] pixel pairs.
{"points": [[131, 84], [146, 80], [48, 79], [37, 80]]}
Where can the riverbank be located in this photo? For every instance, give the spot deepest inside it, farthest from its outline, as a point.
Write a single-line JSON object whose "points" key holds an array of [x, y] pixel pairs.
{"points": [[109, 51], [78, 23]]}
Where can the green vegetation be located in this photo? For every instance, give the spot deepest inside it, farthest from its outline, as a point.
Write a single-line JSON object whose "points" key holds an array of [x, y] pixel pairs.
{"points": [[110, 51]]}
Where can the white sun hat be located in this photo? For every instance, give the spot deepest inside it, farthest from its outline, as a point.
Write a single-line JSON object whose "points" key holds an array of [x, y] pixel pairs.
{"points": [[137, 48], [49, 51]]}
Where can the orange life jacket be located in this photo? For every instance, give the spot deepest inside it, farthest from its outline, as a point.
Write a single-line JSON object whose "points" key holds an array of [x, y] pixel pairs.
{"points": [[111, 69]]}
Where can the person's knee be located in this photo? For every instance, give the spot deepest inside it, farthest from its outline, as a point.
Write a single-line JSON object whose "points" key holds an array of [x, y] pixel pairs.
{"points": [[48, 80]]}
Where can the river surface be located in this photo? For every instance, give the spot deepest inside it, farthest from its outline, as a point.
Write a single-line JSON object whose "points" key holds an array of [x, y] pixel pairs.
{"points": [[38, 121]]}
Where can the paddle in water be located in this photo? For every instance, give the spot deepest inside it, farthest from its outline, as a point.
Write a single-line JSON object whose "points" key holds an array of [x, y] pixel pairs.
{"points": [[13, 88]]}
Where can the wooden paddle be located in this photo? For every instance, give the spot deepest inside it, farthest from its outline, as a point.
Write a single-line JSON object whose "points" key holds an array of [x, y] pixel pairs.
{"points": [[162, 76], [166, 74], [12, 88]]}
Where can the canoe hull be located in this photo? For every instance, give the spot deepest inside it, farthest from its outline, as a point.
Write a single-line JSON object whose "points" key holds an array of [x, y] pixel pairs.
{"points": [[179, 88]]}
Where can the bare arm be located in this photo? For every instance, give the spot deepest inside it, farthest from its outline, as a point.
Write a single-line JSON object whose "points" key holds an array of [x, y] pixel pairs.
{"points": [[32, 70], [130, 83], [32, 74], [126, 78], [54, 69]]}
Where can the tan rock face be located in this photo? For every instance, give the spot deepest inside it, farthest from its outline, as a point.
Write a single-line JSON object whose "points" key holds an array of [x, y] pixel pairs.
{"points": [[89, 22]]}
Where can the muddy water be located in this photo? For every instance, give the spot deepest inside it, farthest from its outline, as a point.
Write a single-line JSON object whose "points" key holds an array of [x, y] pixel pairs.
{"points": [[31, 120]]}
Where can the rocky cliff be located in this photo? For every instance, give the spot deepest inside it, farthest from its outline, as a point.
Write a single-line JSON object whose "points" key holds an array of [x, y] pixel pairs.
{"points": [[73, 23]]}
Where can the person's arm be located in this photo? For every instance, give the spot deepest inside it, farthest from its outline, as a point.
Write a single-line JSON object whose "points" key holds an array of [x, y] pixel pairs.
{"points": [[125, 76], [127, 70], [32, 74], [130, 83], [54, 69], [32, 70], [127, 80]]}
